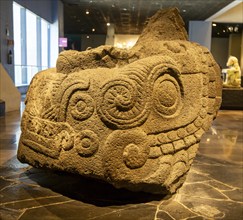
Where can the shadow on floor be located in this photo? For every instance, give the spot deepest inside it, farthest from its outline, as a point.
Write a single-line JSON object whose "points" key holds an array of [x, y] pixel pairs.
{"points": [[88, 190]]}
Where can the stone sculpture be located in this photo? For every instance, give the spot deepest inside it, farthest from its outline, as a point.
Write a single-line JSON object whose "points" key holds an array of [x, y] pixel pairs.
{"points": [[233, 73], [133, 118]]}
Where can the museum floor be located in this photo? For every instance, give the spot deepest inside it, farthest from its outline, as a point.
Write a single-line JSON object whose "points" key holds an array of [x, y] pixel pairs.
{"points": [[213, 189]]}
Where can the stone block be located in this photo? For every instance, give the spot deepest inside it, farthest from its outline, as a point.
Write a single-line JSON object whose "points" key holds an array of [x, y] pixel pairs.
{"points": [[132, 118]]}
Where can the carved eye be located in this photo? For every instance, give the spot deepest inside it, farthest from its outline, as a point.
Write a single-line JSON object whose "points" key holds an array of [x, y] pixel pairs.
{"points": [[167, 93], [167, 96], [81, 106]]}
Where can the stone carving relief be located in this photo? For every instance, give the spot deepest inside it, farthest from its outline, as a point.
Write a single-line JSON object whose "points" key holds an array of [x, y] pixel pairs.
{"points": [[133, 118]]}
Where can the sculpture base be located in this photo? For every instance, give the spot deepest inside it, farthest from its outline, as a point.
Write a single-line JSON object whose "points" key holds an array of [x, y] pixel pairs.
{"points": [[232, 98]]}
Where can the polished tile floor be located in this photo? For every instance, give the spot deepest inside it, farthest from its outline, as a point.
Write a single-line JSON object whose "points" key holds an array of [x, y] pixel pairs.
{"points": [[213, 189]]}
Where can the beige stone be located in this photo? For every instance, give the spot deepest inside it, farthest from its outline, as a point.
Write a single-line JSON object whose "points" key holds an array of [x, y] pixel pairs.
{"points": [[133, 118]]}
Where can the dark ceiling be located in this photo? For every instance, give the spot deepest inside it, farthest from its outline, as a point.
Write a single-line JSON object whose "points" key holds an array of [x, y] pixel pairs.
{"points": [[129, 16]]}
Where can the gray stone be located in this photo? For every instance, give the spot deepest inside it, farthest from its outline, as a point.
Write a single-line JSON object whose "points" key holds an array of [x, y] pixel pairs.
{"points": [[133, 118]]}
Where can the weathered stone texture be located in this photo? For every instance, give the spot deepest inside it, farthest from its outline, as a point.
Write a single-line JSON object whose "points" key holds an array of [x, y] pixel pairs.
{"points": [[133, 118]]}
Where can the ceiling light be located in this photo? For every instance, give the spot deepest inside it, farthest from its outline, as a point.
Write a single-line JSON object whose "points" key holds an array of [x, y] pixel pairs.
{"points": [[87, 36], [87, 12], [108, 23], [124, 9], [236, 29], [231, 29], [184, 10], [214, 24], [93, 29], [223, 30]]}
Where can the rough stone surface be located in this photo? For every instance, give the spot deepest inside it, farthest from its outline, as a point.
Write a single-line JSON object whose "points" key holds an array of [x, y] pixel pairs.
{"points": [[133, 118]]}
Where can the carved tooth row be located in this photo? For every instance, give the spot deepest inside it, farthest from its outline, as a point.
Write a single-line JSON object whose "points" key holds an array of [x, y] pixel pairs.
{"points": [[181, 133], [155, 152], [179, 145], [175, 146], [167, 148], [190, 140], [198, 122]]}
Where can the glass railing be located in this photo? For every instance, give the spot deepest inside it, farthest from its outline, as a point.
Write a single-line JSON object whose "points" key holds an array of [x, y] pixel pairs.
{"points": [[24, 74]]}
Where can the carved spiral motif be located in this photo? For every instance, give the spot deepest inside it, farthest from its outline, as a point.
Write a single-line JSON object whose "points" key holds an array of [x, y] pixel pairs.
{"points": [[81, 106], [64, 140], [167, 96], [135, 156], [86, 143], [127, 152], [123, 104]]}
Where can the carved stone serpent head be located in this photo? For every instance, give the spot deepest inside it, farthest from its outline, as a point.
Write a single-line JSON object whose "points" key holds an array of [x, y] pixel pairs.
{"points": [[133, 118]]}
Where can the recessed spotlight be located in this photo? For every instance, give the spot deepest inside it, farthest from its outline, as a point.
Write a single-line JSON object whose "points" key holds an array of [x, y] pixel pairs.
{"points": [[214, 24], [124, 9], [184, 10], [87, 36], [236, 29], [224, 31], [231, 29], [93, 29], [108, 24], [87, 12]]}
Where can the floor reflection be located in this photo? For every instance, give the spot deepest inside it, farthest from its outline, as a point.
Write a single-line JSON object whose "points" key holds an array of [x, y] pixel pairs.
{"points": [[224, 140]]}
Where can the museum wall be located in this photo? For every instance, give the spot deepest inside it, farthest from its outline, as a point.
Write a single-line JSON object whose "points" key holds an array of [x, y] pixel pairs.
{"points": [[219, 49], [200, 32], [235, 48], [6, 33]]}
